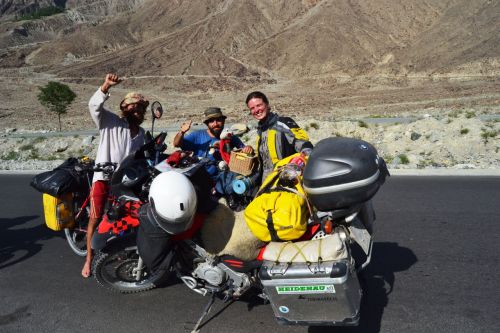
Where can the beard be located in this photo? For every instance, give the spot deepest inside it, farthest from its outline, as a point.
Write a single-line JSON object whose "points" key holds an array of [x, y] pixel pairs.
{"points": [[216, 131], [132, 118]]}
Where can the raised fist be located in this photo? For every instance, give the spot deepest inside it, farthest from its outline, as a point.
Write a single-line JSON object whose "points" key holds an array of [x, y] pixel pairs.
{"points": [[110, 81]]}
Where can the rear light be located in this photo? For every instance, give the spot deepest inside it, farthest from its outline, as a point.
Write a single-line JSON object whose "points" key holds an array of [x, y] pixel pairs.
{"points": [[328, 226]]}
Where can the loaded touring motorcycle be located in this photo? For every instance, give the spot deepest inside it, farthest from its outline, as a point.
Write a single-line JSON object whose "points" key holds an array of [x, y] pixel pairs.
{"points": [[152, 231]]}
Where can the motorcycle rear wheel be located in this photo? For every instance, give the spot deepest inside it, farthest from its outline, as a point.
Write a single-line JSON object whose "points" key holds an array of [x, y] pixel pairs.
{"points": [[114, 270]]}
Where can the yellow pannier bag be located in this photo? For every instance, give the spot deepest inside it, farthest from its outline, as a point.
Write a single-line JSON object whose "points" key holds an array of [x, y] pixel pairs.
{"points": [[278, 213], [58, 211]]}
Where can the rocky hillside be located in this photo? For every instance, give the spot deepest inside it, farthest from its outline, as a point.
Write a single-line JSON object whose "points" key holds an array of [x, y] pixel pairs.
{"points": [[290, 38]]}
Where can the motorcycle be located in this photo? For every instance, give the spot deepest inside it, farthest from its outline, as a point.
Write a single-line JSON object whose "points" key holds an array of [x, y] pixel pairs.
{"points": [[340, 179]]}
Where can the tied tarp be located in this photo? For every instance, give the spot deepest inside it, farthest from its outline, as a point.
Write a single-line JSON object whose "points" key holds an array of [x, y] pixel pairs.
{"points": [[63, 179]]}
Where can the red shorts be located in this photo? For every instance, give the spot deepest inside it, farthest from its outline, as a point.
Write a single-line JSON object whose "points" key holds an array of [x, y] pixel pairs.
{"points": [[98, 197]]}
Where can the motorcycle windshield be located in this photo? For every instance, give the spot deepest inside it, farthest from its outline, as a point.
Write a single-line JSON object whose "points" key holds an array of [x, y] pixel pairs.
{"points": [[116, 179], [130, 176]]}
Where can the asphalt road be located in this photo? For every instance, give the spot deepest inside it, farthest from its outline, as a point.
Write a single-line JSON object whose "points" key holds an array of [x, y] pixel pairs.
{"points": [[435, 269]]}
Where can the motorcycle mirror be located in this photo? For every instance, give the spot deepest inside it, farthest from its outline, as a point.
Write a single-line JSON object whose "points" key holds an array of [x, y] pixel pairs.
{"points": [[156, 110], [156, 113]]}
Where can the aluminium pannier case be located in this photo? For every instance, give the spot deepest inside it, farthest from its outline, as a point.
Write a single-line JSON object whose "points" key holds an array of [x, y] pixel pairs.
{"points": [[342, 173], [312, 291]]}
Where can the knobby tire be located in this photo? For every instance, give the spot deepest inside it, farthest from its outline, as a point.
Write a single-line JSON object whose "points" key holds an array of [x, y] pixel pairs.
{"points": [[111, 270]]}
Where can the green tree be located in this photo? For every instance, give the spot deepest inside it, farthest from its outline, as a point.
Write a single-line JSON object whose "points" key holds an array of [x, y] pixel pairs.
{"points": [[56, 97]]}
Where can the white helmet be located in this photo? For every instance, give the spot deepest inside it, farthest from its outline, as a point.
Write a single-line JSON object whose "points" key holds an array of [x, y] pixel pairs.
{"points": [[173, 202]]}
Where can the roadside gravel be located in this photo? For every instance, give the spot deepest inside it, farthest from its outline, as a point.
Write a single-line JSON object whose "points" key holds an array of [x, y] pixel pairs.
{"points": [[450, 144]]}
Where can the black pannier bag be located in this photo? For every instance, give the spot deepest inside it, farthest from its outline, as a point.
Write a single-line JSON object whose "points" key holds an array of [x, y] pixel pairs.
{"points": [[63, 179], [343, 173]]}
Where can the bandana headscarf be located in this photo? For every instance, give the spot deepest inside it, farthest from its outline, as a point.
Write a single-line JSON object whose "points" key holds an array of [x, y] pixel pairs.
{"points": [[133, 98]]}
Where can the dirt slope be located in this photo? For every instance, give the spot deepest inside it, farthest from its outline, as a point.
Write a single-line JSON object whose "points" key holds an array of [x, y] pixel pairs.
{"points": [[322, 58], [284, 37]]}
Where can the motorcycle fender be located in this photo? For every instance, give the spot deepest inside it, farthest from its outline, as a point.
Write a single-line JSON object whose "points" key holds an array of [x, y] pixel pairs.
{"points": [[100, 241], [360, 235]]}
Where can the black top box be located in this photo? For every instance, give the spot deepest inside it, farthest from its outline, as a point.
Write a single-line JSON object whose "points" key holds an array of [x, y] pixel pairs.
{"points": [[342, 173]]}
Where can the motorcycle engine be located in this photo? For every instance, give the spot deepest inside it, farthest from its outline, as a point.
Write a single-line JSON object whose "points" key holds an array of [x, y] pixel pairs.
{"points": [[215, 274], [212, 274]]}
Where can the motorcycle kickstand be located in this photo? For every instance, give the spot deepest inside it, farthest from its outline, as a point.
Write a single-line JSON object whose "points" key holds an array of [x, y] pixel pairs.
{"points": [[206, 310]]}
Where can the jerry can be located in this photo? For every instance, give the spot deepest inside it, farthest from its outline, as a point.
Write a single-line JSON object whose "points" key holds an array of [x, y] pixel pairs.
{"points": [[58, 211]]}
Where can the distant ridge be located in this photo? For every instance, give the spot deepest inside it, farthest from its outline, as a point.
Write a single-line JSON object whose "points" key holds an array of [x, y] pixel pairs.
{"points": [[263, 38]]}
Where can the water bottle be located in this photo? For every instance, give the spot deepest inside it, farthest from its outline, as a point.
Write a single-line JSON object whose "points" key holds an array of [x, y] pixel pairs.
{"points": [[290, 174], [306, 152], [293, 170], [299, 161]]}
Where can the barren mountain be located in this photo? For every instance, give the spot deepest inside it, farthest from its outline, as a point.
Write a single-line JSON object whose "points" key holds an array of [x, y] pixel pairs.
{"points": [[313, 57]]}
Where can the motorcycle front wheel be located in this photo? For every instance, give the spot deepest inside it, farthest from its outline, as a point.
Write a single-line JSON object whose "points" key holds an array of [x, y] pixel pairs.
{"points": [[117, 269], [77, 236], [77, 240]]}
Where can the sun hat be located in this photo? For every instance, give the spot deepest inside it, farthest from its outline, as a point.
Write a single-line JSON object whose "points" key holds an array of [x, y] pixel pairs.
{"points": [[213, 112]]}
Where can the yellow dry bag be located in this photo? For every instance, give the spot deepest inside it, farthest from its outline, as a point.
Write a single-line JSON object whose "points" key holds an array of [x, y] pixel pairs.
{"points": [[278, 212]]}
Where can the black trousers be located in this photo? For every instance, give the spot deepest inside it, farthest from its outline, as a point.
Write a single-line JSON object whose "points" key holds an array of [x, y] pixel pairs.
{"points": [[154, 244]]}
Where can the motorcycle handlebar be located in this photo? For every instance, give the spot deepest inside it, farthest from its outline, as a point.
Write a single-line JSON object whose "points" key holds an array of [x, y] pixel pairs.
{"points": [[106, 167], [160, 139]]}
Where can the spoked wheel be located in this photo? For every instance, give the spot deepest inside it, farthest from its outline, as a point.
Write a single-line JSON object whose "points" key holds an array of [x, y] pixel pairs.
{"points": [[77, 240], [120, 269], [77, 236]]}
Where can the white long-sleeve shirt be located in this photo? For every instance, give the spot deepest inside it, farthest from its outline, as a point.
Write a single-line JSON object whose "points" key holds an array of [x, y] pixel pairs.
{"points": [[115, 141]]}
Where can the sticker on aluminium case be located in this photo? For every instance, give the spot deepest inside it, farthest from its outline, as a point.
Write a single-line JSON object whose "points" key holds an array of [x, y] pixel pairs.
{"points": [[312, 289]]}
